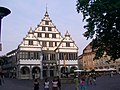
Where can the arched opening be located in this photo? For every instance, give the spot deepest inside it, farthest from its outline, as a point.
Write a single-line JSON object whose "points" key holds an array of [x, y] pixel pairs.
{"points": [[25, 73], [35, 72], [52, 68], [25, 70], [45, 68], [72, 69], [64, 72]]}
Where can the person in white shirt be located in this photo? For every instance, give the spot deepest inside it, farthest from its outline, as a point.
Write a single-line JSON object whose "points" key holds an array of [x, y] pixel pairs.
{"points": [[46, 84], [55, 84]]}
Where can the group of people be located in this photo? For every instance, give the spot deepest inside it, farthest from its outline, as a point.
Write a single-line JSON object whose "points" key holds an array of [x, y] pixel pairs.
{"points": [[83, 81], [55, 84]]}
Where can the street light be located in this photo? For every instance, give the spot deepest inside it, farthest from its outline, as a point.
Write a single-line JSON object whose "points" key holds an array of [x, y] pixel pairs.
{"points": [[3, 12]]}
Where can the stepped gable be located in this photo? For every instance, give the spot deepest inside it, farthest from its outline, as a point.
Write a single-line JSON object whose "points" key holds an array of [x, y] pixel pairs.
{"points": [[30, 37], [47, 33], [46, 25], [67, 42]]}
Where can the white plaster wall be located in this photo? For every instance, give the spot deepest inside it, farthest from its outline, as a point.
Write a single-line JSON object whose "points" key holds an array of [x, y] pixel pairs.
{"points": [[67, 50], [69, 62], [30, 49], [29, 61]]}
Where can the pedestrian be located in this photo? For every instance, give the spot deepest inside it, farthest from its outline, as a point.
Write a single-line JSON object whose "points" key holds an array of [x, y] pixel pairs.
{"points": [[59, 83], [82, 84], [2, 78], [94, 79], [54, 84], [36, 84], [90, 79], [0, 81], [87, 79], [46, 84], [111, 74], [76, 83]]}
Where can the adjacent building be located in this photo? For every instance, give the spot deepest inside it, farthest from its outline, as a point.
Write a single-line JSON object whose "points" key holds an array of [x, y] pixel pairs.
{"points": [[87, 61]]}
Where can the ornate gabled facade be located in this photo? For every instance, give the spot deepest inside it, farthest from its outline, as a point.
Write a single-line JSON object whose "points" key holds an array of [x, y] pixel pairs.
{"points": [[29, 57], [45, 53]]}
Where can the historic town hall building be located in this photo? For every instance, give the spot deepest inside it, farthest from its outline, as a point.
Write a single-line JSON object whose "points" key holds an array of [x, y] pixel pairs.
{"points": [[44, 52]]}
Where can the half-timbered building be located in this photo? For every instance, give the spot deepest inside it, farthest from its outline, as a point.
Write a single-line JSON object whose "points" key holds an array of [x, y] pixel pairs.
{"points": [[44, 52]]}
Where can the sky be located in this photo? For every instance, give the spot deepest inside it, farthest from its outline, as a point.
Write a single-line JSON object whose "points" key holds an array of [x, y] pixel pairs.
{"points": [[28, 13]]}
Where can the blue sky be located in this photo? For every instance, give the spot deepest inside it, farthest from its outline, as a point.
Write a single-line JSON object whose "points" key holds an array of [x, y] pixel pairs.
{"points": [[28, 13]]}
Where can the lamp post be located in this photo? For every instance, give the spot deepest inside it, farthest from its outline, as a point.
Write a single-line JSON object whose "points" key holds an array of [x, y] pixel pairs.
{"points": [[3, 12]]}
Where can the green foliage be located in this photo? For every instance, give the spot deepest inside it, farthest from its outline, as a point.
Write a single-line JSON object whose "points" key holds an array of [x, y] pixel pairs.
{"points": [[103, 23], [3, 60]]}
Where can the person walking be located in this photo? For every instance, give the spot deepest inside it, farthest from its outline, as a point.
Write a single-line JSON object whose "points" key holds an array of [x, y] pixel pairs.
{"points": [[59, 83], [0, 81], [82, 84], [54, 84], [88, 80], [2, 78], [36, 84], [46, 84], [76, 83], [94, 79]]}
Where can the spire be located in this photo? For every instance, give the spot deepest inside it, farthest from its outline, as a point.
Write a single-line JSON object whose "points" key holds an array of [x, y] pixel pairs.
{"points": [[46, 13], [67, 34], [46, 7], [30, 31]]}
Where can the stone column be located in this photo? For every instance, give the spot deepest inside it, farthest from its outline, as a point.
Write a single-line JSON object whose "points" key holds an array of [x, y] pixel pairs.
{"points": [[48, 71], [30, 73]]}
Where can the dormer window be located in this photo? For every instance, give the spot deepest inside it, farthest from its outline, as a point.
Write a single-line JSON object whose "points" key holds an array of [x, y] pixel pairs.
{"points": [[67, 44], [53, 35], [47, 35], [30, 42], [49, 29], [39, 34], [43, 28], [50, 44], [55, 43], [46, 22], [44, 44]]}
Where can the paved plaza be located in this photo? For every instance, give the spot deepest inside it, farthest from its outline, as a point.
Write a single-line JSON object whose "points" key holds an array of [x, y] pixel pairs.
{"points": [[103, 83]]}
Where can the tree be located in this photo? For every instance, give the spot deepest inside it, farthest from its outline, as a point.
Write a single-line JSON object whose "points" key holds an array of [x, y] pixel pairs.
{"points": [[103, 25], [3, 60]]}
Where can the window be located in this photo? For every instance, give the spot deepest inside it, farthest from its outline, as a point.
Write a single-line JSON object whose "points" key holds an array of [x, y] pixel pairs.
{"points": [[46, 22], [55, 43], [49, 29], [25, 55], [45, 56], [20, 55], [31, 55], [50, 44], [36, 55], [44, 44], [47, 35], [61, 56], [53, 35], [67, 44], [39, 34], [52, 56], [43, 28], [30, 42]]}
